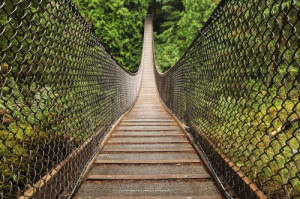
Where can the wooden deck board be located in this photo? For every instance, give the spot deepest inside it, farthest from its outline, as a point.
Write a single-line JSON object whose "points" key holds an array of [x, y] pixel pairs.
{"points": [[146, 134]]}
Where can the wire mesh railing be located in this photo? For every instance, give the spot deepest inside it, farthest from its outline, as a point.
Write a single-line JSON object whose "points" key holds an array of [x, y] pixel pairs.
{"points": [[60, 93], [237, 90]]}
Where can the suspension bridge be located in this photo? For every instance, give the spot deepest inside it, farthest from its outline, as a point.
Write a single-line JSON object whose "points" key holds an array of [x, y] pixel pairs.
{"points": [[223, 122], [147, 153]]}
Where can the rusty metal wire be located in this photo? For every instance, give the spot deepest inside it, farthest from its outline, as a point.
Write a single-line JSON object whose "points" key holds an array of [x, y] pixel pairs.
{"points": [[60, 93], [237, 90]]}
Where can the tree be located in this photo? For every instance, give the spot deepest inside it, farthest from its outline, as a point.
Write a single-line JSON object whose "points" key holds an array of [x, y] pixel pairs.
{"points": [[119, 25], [177, 25]]}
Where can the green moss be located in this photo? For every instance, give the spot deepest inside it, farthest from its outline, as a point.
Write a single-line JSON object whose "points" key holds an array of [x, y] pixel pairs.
{"points": [[249, 145], [18, 147]]}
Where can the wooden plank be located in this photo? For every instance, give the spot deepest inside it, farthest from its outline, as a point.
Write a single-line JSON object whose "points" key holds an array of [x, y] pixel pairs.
{"points": [[147, 116], [148, 161], [149, 150], [149, 177], [155, 122], [141, 129], [149, 124], [155, 197], [147, 130], [149, 135], [147, 120], [149, 110], [147, 142]]}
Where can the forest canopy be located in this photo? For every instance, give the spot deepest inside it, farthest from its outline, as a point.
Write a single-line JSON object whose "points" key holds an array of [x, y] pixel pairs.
{"points": [[177, 23], [119, 25]]}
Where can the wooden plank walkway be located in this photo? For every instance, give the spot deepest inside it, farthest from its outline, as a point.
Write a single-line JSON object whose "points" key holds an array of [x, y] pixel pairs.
{"points": [[148, 155]]}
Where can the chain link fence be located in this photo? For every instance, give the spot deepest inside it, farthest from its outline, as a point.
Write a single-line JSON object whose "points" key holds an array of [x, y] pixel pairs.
{"points": [[237, 90], [60, 93]]}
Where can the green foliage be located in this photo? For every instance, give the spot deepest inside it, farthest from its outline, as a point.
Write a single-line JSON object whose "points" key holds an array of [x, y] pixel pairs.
{"points": [[40, 79], [20, 150], [119, 25], [244, 86], [177, 24]]}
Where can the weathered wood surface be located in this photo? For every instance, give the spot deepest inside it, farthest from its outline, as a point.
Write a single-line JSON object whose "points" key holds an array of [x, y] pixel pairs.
{"points": [[148, 156]]}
